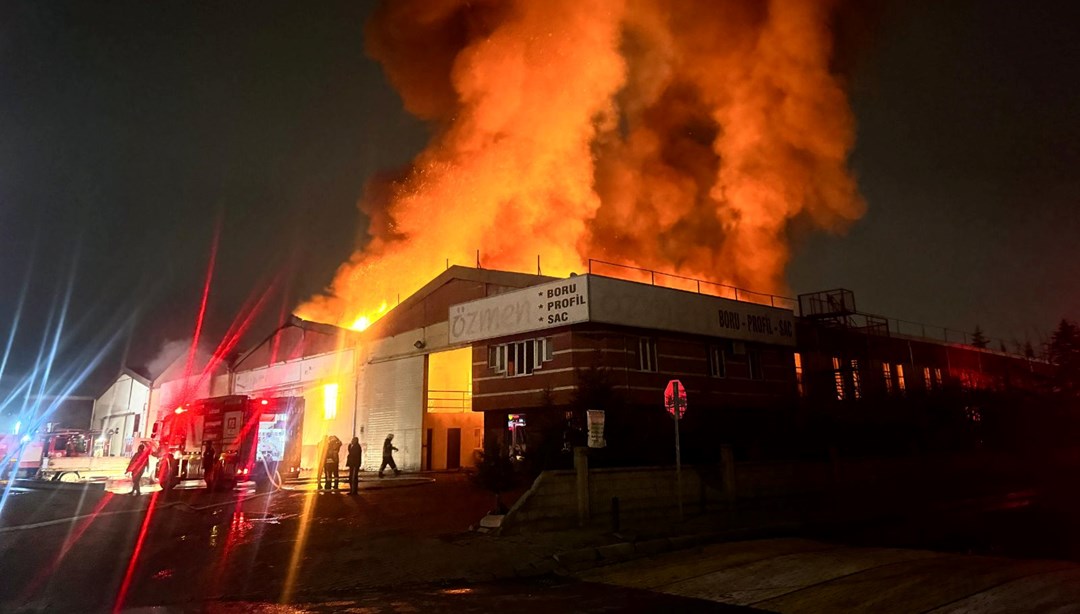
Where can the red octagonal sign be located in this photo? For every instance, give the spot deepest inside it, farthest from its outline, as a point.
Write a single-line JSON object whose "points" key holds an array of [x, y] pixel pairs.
{"points": [[675, 396]]}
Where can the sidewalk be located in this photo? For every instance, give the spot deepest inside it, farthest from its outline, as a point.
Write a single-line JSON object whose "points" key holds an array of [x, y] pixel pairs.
{"points": [[797, 575]]}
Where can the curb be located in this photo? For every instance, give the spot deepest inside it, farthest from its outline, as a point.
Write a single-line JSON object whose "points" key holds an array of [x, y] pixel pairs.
{"points": [[583, 559], [385, 484]]}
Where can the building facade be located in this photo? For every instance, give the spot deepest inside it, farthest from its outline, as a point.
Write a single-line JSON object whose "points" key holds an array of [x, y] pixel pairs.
{"points": [[120, 414], [479, 357]]}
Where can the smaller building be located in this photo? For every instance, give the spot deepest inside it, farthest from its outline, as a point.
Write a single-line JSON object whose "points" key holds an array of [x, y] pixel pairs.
{"points": [[120, 413], [543, 355]]}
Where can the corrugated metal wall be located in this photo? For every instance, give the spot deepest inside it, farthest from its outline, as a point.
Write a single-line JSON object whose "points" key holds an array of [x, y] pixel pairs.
{"points": [[391, 395]]}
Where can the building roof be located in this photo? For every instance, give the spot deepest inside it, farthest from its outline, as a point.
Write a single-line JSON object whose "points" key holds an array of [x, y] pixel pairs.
{"points": [[384, 326]]}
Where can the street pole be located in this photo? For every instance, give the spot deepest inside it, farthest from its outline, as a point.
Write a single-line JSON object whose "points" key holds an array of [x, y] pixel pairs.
{"points": [[678, 452]]}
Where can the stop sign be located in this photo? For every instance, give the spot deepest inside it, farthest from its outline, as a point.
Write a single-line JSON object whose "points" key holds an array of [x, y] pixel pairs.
{"points": [[675, 398]]}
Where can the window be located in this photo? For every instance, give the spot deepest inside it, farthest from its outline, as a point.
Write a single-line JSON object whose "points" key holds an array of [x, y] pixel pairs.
{"points": [[838, 376], [798, 375], [520, 357], [886, 372], [717, 361], [754, 360], [900, 379], [856, 384], [937, 377], [647, 354], [926, 379]]}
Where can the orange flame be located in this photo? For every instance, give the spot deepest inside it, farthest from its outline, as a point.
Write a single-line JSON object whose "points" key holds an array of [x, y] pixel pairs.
{"points": [[682, 136]]}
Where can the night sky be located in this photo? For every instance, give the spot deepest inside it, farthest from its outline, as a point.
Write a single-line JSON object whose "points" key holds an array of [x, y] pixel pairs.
{"points": [[131, 131]]}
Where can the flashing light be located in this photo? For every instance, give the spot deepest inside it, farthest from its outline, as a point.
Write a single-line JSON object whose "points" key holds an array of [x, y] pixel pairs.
{"points": [[25, 439], [179, 410], [176, 455], [264, 402]]}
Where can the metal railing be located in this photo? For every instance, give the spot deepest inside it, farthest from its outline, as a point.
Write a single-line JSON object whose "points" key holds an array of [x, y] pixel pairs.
{"points": [[689, 284], [449, 401]]}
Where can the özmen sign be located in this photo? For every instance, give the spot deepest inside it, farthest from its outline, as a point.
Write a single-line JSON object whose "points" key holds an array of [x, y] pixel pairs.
{"points": [[555, 303]]}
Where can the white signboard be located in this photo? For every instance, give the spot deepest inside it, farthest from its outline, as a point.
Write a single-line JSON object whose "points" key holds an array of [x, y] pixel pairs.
{"points": [[625, 303], [555, 303], [596, 428]]}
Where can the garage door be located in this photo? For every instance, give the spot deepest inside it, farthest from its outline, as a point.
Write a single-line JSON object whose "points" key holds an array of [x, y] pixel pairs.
{"points": [[391, 397]]}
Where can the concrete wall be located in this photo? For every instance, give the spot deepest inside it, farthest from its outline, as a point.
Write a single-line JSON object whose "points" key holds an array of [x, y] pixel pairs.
{"points": [[552, 502]]}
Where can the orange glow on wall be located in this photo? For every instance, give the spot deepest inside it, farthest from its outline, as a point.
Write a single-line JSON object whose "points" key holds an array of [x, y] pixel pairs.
{"points": [[450, 381]]}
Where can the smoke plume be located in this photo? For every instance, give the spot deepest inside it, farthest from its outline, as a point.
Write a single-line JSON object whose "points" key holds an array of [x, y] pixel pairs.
{"points": [[684, 136]]}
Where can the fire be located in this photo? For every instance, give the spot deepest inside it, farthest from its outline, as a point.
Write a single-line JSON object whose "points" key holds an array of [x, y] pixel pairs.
{"points": [[362, 321], [688, 137]]}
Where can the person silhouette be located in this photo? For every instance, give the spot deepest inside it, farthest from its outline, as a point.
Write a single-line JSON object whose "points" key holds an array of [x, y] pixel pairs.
{"points": [[388, 450]]}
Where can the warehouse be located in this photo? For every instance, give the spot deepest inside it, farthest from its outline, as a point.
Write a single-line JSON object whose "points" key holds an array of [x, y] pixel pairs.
{"points": [[480, 356]]}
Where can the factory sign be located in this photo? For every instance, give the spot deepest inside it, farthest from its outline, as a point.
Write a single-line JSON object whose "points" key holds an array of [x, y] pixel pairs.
{"points": [[556, 303]]}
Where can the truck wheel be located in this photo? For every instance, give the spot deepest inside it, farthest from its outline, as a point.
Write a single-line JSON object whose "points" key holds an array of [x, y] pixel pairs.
{"points": [[165, 474]]}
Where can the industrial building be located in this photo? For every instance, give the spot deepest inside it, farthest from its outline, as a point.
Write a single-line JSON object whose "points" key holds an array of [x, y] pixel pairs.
{"points": [[120, 413], [482, 356]]}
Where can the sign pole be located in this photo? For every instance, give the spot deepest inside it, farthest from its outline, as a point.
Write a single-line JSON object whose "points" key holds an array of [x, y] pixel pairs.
{"points": [[678, 452]]}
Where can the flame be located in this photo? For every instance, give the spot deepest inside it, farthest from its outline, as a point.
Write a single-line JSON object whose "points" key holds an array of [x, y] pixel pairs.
{"points": [[688, 137], [363, 321]]}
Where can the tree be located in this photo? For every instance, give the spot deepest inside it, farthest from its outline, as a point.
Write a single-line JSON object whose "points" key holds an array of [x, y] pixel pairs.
{"points": [[1029, 350], [1064, 353], [978, 339]]}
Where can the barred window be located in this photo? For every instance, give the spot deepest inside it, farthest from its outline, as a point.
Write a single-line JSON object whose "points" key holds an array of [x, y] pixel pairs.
{"points": [[520, 357], [647, 354], [717, 361], [798, 375], [754, 360], [856, 383]]}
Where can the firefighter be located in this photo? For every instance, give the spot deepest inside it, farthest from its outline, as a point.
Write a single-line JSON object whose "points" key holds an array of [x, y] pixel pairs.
{"points": [[136, 468], [388, 450], [333, 456], [209, 460], [353, 463], [320, 461]]}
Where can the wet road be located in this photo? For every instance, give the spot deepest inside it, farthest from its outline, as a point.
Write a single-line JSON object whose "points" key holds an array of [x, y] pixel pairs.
{"points": [[393, 549]]}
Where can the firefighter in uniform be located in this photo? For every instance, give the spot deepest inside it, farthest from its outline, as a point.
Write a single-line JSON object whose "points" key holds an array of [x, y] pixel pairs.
{"points": [[388, 450]]}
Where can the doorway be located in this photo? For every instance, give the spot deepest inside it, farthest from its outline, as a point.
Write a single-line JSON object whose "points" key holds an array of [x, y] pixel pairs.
{"points": [[453, 448]]}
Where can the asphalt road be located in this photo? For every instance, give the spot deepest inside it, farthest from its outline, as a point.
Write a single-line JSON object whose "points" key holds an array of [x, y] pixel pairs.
{"points": [[396, 549], [405, 546]]}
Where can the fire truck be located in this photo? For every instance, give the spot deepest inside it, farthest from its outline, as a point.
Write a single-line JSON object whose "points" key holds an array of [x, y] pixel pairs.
{"points": [[256, 439]]}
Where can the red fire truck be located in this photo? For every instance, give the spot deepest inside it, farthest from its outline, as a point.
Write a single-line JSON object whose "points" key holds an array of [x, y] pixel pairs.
{"points": [[253, 439]]}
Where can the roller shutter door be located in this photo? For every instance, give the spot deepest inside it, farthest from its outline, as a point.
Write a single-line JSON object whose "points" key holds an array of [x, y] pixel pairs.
{"points": [[391, 397]]}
